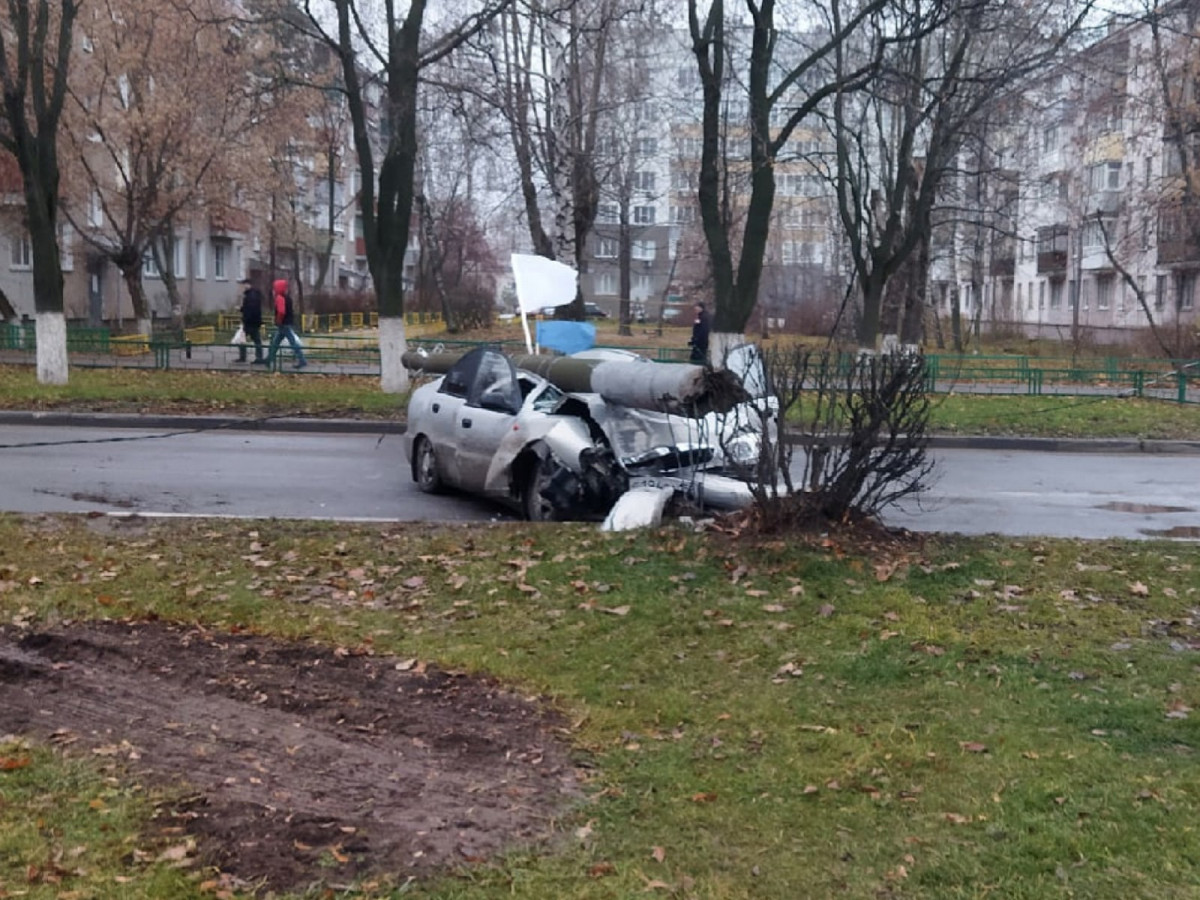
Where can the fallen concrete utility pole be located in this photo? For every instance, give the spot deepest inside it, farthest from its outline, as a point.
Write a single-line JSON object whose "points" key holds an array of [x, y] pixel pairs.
{"points": [[677, 388]]}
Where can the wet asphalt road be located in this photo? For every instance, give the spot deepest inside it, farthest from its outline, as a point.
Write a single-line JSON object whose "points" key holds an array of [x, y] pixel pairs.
{"points": [[163, 471]]}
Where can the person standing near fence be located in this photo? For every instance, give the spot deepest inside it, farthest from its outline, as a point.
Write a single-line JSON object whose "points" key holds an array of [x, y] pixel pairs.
{"points": [[284, 319], [252, 299], [699, 341]]}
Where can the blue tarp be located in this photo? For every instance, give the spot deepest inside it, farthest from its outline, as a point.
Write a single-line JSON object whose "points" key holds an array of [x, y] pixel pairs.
{"points": [[566, 337]]}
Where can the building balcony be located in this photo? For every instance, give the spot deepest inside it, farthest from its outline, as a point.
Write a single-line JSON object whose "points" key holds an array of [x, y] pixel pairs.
{"points": [[1178, 236], [1178, 251], [1052, 262], [1002, 266], [1052, 250], [226, 221]]}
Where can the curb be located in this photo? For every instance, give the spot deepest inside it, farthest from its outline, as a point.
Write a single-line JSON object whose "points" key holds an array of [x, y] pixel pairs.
{"points": [[387, 426], [201, 423]]}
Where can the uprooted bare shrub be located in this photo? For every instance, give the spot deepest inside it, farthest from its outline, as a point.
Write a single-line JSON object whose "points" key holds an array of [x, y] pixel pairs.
{"points": [[861, 427]]}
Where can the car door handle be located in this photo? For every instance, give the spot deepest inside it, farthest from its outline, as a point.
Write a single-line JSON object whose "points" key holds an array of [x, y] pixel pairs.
{"points": [[437, 407], [466, 423]]}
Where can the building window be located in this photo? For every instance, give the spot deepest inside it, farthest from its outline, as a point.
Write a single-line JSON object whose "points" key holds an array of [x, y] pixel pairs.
{"points": [[645, 250], [1056, 292], [1105, 177], [220, 261], [606, 248], [606, 214], [199, 260], [604, 284], [642, 286], [643, 215], [149, 266], [1160, 291], [66, 244], [643, 181], [683, 215], [645, 146], [22, 252], [801, 185], [1104, 292], [1094, 232], [684, 179], [1041, 295], [799, 253], [1050, 139], [1187, 290], [95, 210]]}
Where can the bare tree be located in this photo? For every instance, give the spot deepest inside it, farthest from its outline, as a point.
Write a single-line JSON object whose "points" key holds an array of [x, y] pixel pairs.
{"points": [[554, 68], [36, 38], [158, 108], [382, 59], [900, 138], [788, 76]]}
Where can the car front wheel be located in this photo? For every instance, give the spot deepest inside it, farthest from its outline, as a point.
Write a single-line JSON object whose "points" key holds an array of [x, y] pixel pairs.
{"points": [[536, 507], [425, 467]]}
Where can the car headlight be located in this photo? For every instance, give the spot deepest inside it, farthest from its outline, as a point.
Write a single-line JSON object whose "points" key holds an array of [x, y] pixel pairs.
{"points": [[743, 449]]}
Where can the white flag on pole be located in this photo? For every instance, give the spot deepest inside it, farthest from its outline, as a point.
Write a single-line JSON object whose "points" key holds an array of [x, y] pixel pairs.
{"points": [[542, 282]]}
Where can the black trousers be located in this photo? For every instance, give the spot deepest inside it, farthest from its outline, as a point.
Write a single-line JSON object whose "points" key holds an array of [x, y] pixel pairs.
{"points": [[253, 333]]}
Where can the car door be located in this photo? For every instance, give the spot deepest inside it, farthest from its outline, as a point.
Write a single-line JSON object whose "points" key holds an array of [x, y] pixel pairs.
{"points": [[440, 421], [488, 414]]}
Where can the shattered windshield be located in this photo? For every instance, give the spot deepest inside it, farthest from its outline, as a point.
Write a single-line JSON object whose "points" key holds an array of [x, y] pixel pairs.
{"points": [[548, 399]]}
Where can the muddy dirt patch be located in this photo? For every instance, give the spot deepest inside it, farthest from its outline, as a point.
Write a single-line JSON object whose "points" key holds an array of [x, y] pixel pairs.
{"points": [[298, 763]]}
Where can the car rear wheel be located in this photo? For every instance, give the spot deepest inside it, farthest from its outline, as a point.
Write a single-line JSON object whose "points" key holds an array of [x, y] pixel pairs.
{"points": [[536, 507], [425, 467]]}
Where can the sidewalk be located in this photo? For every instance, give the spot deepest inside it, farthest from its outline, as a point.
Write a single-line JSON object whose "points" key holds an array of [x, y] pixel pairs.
{"points": [[997, 443]]}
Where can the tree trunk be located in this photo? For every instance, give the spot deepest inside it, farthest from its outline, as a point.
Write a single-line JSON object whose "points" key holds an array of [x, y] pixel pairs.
{"points": [[51, 331], [912, 325], [132, 276], [392, 344], [51, 324], [719, 345], [956, 332], [868, 326]]}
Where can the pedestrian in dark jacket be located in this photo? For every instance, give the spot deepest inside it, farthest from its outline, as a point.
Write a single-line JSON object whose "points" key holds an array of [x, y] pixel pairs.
{"points": [[699, 341], [284, 318], [252, 300]]}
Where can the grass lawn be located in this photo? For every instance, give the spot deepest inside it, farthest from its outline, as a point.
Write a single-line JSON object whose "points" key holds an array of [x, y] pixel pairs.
{"points": [[780, 719]]}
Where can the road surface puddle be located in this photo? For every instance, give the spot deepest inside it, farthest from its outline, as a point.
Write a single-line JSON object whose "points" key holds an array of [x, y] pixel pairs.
{"points": [[1184, 532], [1145, 509]]}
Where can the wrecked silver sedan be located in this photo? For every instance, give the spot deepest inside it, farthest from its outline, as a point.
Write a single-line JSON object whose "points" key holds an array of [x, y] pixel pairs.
{"points": [[561, 438]]}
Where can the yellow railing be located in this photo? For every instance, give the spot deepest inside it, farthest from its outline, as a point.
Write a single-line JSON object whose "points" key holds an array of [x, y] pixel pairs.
{"points": [[130, 344], [201, 334], [416, 323]]}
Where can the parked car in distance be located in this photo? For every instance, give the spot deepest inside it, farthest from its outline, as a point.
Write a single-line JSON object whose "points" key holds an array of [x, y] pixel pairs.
{"points": [[590, 311]]}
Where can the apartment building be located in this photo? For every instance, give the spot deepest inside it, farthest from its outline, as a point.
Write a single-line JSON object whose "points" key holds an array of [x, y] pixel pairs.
{"points": [[1091, 209], [654, 204]]}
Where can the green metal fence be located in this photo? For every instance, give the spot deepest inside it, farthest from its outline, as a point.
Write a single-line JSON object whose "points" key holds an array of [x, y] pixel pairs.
{"points": [[358, 353], [1162, 379]]}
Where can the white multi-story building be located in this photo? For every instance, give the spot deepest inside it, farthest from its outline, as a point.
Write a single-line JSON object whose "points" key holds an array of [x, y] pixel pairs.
{"points": [[1095, 235]]}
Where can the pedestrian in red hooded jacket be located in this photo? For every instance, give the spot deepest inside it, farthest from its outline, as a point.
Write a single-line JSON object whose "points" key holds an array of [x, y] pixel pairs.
{"points": [[284, 318]]}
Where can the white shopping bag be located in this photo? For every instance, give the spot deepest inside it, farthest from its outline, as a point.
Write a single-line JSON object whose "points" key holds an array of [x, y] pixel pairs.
{"points": [[239, 336]]}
